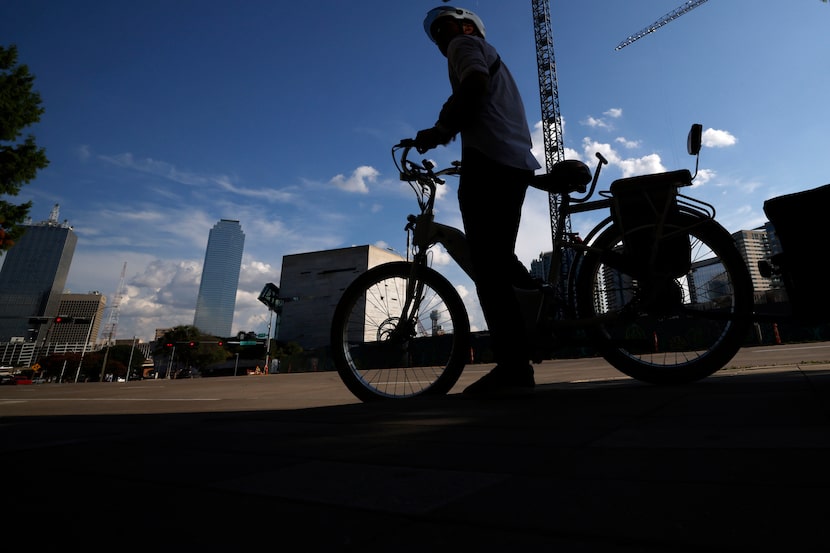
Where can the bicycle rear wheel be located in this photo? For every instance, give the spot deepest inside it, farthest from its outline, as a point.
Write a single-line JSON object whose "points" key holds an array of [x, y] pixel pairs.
{"points": [[683, 330], [400, 331]]}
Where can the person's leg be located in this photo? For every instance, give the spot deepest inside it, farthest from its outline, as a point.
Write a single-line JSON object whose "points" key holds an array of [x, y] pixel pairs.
{"points": [[490, 198]]}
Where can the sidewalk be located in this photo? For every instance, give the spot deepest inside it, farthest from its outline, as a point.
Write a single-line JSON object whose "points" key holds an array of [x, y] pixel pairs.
{"points": [[739, 462]]}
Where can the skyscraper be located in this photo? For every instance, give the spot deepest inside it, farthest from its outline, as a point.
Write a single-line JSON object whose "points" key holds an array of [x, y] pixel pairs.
{"points": [[33, 277], [220, 279]]}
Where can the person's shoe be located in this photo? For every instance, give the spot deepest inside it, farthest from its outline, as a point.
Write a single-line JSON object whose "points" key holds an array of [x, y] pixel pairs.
{"points": [[503, 381]]}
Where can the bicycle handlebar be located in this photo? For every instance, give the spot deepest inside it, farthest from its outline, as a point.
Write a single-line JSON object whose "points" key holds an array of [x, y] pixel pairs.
{"points": [[422, 172], [405, 143]]}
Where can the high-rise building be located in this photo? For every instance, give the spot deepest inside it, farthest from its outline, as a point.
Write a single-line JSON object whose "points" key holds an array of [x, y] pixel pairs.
{"points": [[754, 246], [71, 330], [33, 277], [220, 279], [81, 316]]}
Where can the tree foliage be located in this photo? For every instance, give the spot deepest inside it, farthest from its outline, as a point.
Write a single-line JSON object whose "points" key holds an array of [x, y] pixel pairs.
{"points": [[20, 158], [88, 367], [186, 346]]}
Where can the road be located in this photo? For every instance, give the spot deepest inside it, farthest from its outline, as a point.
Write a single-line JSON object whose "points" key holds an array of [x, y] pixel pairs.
{"points": [[309, 390]]}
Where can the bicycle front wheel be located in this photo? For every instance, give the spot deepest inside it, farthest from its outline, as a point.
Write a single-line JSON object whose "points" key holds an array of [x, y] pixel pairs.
{"points": [[400, 330], [680, 331]]}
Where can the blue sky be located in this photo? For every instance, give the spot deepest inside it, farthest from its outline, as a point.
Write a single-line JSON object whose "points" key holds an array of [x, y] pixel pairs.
{"points": [[163, 117]]}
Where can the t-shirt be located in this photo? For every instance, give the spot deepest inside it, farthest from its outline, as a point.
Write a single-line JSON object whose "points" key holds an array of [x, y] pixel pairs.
{"points": [[500, 130]]}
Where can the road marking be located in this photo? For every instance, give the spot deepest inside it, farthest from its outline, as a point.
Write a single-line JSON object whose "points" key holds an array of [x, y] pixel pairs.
{"points": [[109, 399], [794, 348]]}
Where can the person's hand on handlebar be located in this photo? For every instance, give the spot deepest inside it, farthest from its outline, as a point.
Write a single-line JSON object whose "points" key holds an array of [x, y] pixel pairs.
{"points": [[428, 139]]}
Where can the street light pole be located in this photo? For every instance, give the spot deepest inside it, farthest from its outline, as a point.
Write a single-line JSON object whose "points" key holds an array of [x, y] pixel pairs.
{"points": [[86, 345], [170, 363], [236, 364], [130, 362], [268, 344]]}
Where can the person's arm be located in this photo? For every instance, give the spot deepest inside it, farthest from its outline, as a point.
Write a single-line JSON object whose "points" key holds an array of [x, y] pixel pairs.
{"points": [[461, 108], [458, 111]]}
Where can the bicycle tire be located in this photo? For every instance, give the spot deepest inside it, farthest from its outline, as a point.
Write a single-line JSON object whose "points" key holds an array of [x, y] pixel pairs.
{"points": [[695, 328], [378, 357]]}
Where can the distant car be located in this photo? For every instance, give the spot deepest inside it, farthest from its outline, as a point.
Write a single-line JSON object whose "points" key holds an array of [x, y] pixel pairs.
{"points": [[7, 379], [22, 379]]}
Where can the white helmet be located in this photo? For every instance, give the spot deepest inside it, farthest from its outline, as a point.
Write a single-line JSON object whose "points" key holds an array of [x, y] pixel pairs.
{"points": [[460, 14]]}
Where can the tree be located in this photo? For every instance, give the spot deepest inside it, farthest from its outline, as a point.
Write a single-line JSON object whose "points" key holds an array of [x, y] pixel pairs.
{"points": [[20, 106], [59, 365], [118, 358], [186, 347]]}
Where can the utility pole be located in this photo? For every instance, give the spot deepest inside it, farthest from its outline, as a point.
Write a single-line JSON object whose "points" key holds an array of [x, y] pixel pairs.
{"points": [[86, 345], [104, 364], [130, 362]]}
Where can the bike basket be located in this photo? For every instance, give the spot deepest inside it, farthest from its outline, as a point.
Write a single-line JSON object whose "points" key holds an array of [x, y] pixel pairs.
{"points": [[798, 222], [646, 210]]}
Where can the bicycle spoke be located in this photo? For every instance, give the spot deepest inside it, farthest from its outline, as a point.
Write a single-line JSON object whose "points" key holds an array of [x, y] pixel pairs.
{"points": [[387, 342]]}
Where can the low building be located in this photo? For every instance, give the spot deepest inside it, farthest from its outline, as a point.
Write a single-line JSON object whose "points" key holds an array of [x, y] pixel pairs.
{"points": [[311, 285]]}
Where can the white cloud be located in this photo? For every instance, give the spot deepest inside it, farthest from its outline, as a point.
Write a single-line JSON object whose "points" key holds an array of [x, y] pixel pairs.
{"points": [[155, 167], [628, 144], [602, 123], [358, 181], [595, 122], [714, 138], [704, 176], [650, 163]]}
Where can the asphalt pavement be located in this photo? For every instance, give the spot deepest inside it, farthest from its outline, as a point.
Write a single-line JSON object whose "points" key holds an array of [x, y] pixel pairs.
{"points": [[593, 461]]}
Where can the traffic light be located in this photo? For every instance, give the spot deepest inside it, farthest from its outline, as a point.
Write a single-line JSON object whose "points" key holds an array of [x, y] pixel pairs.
{"points": [[6, 241], [59, 319], [220, 343], [168, 345], [193, 344]]}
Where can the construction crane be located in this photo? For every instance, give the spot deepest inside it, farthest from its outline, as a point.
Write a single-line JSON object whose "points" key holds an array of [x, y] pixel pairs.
{"points": [[548, 87], [549, 98], [112, 321], [671, 16]]}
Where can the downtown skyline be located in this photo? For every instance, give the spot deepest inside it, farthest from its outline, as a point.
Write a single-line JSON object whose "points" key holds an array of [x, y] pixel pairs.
{"points": [[157, 129]]}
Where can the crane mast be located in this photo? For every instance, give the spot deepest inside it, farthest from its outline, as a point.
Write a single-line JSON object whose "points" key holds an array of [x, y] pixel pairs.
{"points": [[549, 97], [112, 322], [671, 16]]}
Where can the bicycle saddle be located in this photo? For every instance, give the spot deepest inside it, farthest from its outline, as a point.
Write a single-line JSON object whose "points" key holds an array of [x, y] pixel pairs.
{"points": [[570, 175]]}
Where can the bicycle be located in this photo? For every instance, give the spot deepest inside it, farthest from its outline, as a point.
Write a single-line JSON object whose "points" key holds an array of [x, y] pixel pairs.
{"points": [[657, 287]]}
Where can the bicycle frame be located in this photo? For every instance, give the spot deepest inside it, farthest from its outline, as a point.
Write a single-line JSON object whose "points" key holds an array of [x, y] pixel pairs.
{"points": [[426, 232]]}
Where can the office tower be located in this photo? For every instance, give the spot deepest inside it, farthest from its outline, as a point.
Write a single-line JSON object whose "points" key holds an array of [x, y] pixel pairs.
{"points": [[81, 318], [220, 279], [754, 246], [33, 277]]}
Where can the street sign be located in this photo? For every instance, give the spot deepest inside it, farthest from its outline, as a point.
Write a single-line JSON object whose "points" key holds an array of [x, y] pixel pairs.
{"points": [[248, 343]]}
